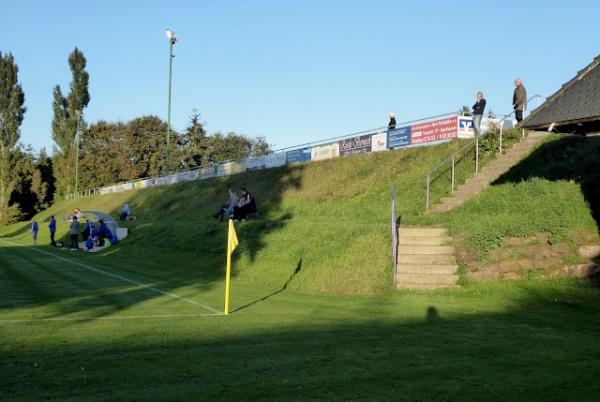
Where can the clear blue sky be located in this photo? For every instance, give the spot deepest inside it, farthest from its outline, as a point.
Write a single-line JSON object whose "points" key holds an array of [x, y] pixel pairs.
{"points": [[294, 71]]}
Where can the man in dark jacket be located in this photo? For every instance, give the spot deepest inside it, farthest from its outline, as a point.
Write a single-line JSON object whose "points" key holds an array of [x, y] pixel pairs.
{"points": [[478, 109], [74, 231], [52, 227], [519, 100], [392, 123]]}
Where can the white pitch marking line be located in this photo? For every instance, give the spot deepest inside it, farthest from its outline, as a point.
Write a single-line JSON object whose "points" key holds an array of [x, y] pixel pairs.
{"points": [[129, 317], [122, 278]]}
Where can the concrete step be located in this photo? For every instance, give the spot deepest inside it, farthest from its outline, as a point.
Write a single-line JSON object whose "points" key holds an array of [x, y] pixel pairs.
{"points": [[440, 250], [456, 200], [414, 231], [471, 188], [443, 259], [426, 279], [426, 269], [423, 286], [424, 240]]}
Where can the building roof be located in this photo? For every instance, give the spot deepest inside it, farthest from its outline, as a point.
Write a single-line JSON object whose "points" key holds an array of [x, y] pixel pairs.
{"points": [[576, 103]]}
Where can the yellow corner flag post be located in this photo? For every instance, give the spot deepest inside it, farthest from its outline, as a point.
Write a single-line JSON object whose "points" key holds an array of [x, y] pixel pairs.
{"points": [[232, 243]]}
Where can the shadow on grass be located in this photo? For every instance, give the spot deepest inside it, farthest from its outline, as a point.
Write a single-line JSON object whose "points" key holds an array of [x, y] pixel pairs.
{"points": [[284, 287], [575, 158], [544, 347]]}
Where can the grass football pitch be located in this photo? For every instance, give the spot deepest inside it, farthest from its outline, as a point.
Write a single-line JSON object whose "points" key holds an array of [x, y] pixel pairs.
{"points": [[77, 327]]}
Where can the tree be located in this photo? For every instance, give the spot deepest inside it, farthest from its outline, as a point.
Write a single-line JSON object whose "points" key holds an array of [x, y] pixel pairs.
{"points": [[105, 155], [12, 113], [231, 147], [194, 142], [68, 114]]}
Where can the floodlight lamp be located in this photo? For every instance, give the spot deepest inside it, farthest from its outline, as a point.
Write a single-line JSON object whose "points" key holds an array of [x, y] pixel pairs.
{"points": [[171, 36]]}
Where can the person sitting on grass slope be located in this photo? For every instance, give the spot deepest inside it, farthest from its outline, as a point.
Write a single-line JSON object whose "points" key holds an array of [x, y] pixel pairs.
{"points": [[233, 201], [246, 205]]}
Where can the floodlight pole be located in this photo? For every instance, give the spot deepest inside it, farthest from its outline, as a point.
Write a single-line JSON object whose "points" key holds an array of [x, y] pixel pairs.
{"points": [[172, 41]]}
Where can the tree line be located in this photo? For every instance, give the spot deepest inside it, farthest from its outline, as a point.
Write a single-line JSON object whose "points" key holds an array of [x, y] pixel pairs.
{"points": [[88, 155]]}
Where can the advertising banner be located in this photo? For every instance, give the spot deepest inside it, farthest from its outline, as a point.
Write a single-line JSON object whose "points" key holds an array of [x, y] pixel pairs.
{"points": [[146, 183], [223, 170], [398, 137], [465, 127], [355, 146], [256, 163], [275, 160], [207, 172], [379, 142], [433, 131], [187, 176], [298, 155], [323, 152], [236, 167]]}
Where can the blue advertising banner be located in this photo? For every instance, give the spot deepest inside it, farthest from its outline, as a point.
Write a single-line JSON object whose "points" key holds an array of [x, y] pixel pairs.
{"points": [[298, 155], [399, 137], [356, 145]]}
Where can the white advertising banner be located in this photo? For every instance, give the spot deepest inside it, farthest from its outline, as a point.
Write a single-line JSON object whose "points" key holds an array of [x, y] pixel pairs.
{"points": [[256, 163], [207, 172], [188, 176], [275, 160], [236, 168], [379, 142], [323, 152], [223, 170]]}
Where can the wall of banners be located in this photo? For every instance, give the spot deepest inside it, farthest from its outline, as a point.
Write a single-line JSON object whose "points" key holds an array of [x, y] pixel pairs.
{"points": [[426, 133]]}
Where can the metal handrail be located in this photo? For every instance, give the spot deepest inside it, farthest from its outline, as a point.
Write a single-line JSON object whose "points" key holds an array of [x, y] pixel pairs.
{"points": [[459, 152]]}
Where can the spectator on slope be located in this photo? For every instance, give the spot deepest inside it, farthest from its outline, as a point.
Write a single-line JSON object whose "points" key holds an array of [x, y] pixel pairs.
{"points": [[478, 109], [125, 212], [34, 231], [392, 123], [77, 213], [233, 201], [74, 231], [246, 205], [519, 100], [52, 227]]}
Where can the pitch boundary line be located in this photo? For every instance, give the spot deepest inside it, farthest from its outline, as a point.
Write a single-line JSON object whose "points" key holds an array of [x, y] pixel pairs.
{"points": [[116, 276], [128, 317]]}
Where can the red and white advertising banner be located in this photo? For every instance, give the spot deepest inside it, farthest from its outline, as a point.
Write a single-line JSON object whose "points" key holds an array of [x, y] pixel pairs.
{"points": [[432, 131]]}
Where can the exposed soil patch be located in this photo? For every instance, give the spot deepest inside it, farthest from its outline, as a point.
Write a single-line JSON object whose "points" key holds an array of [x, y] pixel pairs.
{"points": [[530, 257]]}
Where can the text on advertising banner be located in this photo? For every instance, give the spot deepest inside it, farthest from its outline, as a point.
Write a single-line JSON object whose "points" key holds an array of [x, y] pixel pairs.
{"points": [[275, 160], [432, 131], [379, 142], [355, 146], [323, 152], [298, 155], [399, 137]]}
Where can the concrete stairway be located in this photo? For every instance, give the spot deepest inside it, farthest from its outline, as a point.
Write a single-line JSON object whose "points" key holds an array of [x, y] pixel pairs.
{"points": [[489, 173], [425, 258]]}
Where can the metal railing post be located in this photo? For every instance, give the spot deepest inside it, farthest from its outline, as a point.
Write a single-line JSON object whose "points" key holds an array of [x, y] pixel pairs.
{"points": [[452, 185], [501, 132], [427, 198], [477, 155]]}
